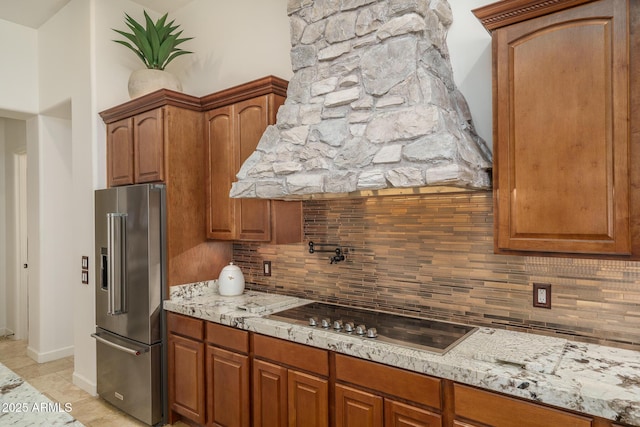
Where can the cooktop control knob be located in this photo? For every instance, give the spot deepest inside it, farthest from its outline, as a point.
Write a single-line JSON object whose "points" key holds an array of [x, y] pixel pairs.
{"points": [[337, 325], [313, 321], [326, 323], [348, 327], [372, 333], [361, 330]]}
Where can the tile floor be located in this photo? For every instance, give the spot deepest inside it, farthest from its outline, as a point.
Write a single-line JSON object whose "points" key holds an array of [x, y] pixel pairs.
{"points": [[54, 380]]}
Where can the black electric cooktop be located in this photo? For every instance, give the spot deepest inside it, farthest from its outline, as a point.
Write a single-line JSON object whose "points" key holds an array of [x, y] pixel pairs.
{"points": [[424, 334]]}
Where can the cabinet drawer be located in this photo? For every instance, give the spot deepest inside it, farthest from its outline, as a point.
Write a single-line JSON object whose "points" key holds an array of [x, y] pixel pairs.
{"points": [[185, 325], [412, 386], [501, 411], [292, 354], [226, 336], [397, 414]]}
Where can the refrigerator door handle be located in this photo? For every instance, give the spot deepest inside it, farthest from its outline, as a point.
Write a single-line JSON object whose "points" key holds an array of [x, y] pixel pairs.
{"points": [[133, 352], [116, 252]]}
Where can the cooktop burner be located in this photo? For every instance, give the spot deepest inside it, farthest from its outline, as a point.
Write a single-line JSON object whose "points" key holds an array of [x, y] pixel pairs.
{"points": [[424, 334]]}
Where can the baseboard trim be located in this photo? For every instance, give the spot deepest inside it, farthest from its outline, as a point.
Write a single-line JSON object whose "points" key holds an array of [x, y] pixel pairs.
{"points": [[84, 383], [50, 355]]}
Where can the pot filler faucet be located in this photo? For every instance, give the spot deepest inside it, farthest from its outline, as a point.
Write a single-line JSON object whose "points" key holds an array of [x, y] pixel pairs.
{"points": [[339, 253]]}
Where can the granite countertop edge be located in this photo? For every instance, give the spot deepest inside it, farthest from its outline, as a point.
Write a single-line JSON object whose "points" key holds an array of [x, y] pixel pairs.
{"points": [[588, 378]]}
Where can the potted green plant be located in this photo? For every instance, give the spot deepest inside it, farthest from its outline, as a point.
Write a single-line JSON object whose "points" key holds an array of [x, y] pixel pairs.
{"points": [[156, 44]]}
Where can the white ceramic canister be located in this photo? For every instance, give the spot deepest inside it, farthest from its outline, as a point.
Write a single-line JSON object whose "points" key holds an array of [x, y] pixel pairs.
{"points": [[231, 281]]}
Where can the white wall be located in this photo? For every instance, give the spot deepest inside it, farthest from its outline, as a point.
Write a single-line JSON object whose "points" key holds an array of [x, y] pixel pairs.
{"points": [[235, 42], [113, 62], [470, 49], [66, 143], [19, 73], [51, 315]]}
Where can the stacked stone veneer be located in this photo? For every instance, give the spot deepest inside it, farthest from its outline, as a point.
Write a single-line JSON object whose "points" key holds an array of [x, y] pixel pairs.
{"points": [[372, 104]]}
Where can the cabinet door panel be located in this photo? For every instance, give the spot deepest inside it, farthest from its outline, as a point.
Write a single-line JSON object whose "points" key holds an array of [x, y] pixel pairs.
{"points": [[398, 414], [251, 119], [269, 395], [562, 131], [227, 388], [221, 167], [186, 377], [355, 408], [149, 146], [120, 153], [308, 400]]}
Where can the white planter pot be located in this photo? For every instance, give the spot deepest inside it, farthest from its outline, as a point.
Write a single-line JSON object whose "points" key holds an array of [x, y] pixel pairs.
{"points": [[146, 80]]}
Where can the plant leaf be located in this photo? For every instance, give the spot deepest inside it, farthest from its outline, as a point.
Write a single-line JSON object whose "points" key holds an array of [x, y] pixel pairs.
{"points": [[152, 35], [144, 45], [176, 54], [160, 22], [137, 51], [166, 48], [155, 43], [163, 30]]}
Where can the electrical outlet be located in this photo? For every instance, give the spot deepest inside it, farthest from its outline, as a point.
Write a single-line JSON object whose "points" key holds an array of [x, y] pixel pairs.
{"points": [[542, 295], [266, 268]]}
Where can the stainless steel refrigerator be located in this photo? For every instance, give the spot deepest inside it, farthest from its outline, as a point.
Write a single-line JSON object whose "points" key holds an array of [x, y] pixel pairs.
{"points": [[130, 283]]}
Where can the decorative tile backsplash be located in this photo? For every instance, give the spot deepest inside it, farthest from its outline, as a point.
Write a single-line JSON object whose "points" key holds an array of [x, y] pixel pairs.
{"points": [[432, 256]]}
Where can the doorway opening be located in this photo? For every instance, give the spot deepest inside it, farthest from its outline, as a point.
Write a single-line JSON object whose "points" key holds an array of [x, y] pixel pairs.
{"points": [[21, 266]]}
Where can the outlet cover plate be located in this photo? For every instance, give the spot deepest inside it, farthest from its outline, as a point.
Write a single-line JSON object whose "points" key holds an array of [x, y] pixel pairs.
{"points": [[542, 295], [266, 268]]}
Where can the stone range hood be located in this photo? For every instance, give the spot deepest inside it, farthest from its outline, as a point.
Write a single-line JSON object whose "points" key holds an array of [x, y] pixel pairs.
{"points": [[372, 107]]}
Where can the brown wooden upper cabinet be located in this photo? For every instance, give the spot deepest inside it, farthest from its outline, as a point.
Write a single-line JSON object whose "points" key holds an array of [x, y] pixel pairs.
{"points": [[158, 137], [561, 125], [135, 149], [144, 132], [235, 120]]}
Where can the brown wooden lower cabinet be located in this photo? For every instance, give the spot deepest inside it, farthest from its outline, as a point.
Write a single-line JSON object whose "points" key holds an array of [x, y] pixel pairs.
{"points": [[285, 397], [208, 373], [186, 380], [215, 379], [487, 408], [228, 371], [357, 408], [308, 400], [397, 414], [269, 394], [228, 401], [360, 408], [380, 405], [283, 394]]}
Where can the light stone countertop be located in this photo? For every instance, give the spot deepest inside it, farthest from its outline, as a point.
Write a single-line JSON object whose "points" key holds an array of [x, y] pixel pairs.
{"points": [[23, 405], [588, 378]]}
